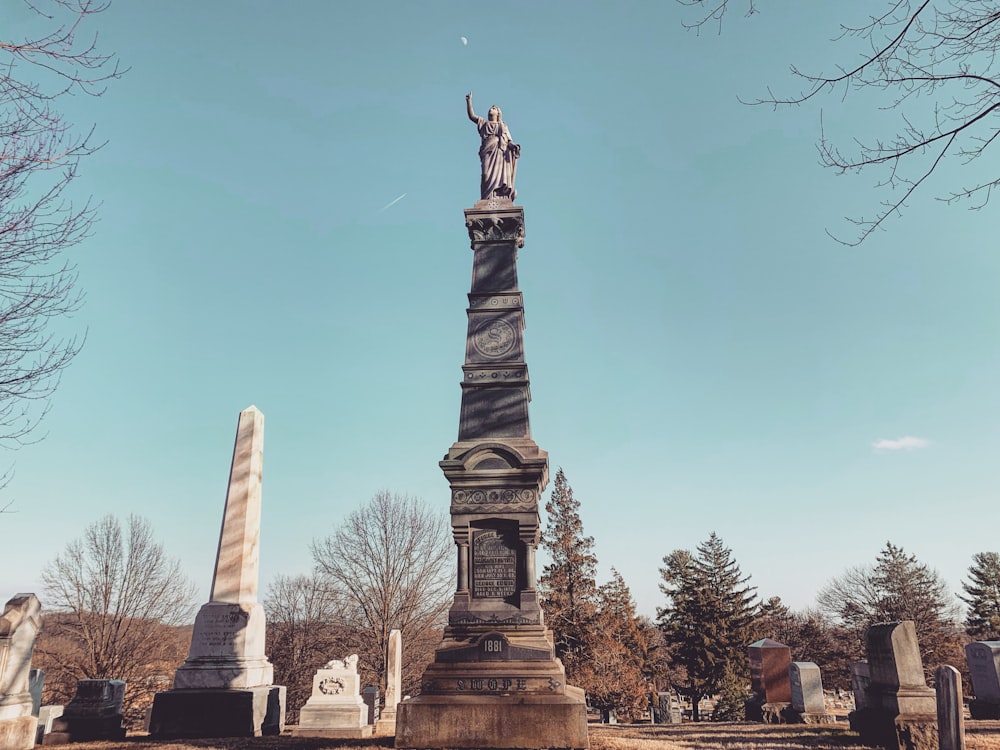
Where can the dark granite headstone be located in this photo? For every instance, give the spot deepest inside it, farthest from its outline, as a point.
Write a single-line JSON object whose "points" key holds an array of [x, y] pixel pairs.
{"points": [[984, 669], [95, 713]]}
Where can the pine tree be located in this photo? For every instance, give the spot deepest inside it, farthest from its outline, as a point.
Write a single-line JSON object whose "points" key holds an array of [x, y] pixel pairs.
{"points": [[708, 617], [568, 584], [983, 597]]}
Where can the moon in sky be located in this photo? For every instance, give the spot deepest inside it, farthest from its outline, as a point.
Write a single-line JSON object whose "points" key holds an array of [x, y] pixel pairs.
{"points": [[465, 42]]}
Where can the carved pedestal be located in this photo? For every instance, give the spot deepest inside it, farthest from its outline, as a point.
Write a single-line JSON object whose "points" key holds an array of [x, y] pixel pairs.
{"points": [[495, 681]]}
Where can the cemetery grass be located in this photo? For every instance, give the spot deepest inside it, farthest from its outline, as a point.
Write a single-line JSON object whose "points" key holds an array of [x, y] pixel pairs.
{"points": [[980, 735]]}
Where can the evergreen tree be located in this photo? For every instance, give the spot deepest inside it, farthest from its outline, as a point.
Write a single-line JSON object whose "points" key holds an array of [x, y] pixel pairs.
{"points": [[614, 679], [708, 618], [568, 584], [983, 597]]}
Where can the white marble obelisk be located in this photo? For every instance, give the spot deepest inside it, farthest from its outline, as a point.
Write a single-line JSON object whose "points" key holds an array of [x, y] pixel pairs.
{"points": [[227, 645], [226, 666], [386, 725]]}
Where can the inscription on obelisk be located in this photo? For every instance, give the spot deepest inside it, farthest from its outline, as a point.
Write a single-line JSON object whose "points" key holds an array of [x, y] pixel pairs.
{"points": [[494, 565]]}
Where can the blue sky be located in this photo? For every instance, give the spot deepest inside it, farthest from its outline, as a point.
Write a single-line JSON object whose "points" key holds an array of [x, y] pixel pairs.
{"points": [[703, 357]]}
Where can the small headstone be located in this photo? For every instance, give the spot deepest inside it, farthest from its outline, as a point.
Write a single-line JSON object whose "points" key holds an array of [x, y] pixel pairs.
{"points": [[668, 710], [36, 681], [984, 669], [370, 696], [95, 713], [386, 725], [335, 708], [860, 680], [901, 712], [808, 703], [769, 662], [19, 625], [46, 715], [950, 711]]}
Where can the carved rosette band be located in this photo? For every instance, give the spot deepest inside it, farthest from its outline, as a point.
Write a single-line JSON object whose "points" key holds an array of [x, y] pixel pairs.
{"points": [[495, 301], [493, 497], [479, 375], [495, 229]]}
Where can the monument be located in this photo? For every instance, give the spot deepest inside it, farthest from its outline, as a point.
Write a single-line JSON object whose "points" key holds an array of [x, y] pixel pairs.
{"points": [[495, 680], [772, 691], [224, 688], [19, 625], [808, 704], [95, 713], [984, 669], [950, 708], [335, 708], [900, 711], [386, 724]]}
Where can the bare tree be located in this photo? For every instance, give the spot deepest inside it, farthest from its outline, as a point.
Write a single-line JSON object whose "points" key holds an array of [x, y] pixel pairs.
{"points": [[934, 61], [39, 156], [391, 560], [304, 631], [120, 597], [897, 587]]}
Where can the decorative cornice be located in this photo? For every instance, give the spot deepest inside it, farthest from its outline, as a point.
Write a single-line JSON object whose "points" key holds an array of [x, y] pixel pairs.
{"points": [[495, 227]]}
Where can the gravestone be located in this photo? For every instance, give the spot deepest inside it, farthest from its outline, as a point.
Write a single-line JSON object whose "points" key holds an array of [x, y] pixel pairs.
{"points": [[808, 704], [335, 708], [667, 709], [860, 680], [950, 711], [370, 696], [95, 713], [901, 711], [495, 680], [225, 687], [772, 692], [46, 715], [984, 669], [36, 683], [386, 725], [19, 625]]}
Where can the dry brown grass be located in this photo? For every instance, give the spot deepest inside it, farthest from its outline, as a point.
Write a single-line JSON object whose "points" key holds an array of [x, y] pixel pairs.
{"points": [[980, 735]]}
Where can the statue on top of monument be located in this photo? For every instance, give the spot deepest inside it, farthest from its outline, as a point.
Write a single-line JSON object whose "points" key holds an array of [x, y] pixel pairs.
{"points": [[498, 154]]}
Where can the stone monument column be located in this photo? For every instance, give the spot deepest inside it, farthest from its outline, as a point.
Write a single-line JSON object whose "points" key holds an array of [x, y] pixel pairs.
{"points": [[495, 680], [224, 688]]}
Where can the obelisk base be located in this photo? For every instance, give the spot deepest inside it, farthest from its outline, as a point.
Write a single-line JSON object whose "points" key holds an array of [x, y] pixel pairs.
{"points": [[18, 733], [251, 712], [494, 721]]}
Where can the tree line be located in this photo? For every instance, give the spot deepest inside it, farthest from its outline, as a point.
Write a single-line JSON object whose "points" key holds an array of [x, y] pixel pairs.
{"points": [[117, 606]]}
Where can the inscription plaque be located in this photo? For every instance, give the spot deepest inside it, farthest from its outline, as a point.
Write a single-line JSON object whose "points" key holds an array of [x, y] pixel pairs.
{"points": [[494, 565]]}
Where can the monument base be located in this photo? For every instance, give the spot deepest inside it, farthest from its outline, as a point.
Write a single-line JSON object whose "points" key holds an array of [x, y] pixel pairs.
{"points": [[809, 717], [982, 710], [767, 713], [494, 721], [356, 733], [895, 732], [85, 729], [250, 712], [18, 733]]}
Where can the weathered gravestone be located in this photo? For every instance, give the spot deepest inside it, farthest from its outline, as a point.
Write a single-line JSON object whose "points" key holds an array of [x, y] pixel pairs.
{"points": [[46, 715], [19, 625], [667, 709], [335, 708], [772, 691], [950, 711], [860, 680], [370, 696], [225, 687], [901, 712], [984, 669], [36, 683], [808, 705], [386, 725], [495, 680], [95, 713]]}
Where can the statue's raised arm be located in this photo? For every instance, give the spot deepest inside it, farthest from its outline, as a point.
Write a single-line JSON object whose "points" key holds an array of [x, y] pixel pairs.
{"points": [[498, 153]]}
